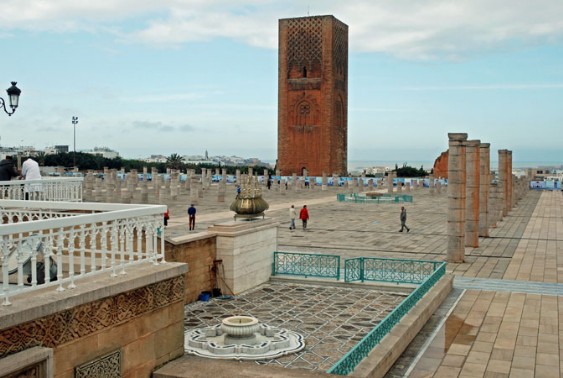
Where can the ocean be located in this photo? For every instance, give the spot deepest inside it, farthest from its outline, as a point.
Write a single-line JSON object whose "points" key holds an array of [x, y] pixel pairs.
{"points": [[358, 165]]}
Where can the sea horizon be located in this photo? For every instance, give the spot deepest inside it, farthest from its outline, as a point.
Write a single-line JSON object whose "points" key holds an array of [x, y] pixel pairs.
{"points": [[358, 165]]}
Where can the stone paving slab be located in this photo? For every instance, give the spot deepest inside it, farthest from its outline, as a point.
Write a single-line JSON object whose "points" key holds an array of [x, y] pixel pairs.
{"points": [[493, 330], [332, 318]]}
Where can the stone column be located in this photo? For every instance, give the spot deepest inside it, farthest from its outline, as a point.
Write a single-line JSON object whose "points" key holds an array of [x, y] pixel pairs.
{"points": [[502, 180], [294, 181], [278, 181], [438, 186], [509, 181], [203, 182], [88, 186], [98, 190], [431, 184], [493, 210], [456, 197], [390, 182], [473, 183], [174, 182], [193, 190], [144, 190], [484, 188], [324, 182]]}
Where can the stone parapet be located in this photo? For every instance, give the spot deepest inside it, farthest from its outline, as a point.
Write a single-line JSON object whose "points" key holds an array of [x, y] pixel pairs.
{"points": [[384, 355], [137, 318], [245, 250]]}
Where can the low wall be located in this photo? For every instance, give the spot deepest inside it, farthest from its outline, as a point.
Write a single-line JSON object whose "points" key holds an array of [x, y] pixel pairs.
{"points": [[234, 256], [125, 325], [245, 249], [384, 355], [198, 251]]}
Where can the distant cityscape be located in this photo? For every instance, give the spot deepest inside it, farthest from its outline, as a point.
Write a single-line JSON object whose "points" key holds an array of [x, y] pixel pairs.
{"points": [[108, 153]]}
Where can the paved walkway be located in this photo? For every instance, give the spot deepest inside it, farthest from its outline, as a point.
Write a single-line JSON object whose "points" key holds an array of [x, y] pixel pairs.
{"points": [[507, 318]]}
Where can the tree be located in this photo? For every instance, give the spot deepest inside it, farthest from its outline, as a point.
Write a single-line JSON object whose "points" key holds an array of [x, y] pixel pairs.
{"points": [[406, 171], [175, 161]]}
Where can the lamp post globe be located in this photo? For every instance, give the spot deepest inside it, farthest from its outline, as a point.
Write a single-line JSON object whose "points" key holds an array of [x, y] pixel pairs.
{"points": [[13, 98]]}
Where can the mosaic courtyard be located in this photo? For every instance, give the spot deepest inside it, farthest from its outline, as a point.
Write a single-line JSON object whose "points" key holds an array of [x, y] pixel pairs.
{"points": [[332, 319]]}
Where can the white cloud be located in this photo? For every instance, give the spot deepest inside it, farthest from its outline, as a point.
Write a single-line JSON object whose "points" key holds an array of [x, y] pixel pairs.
{"points": [[413, 29]]}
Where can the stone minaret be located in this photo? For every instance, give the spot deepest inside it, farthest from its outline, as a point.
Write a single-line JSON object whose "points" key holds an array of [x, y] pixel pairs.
{"points": [[313, 96]]}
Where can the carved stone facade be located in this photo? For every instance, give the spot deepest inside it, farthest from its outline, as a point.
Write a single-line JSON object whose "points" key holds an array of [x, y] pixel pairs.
{"points": [[74, 323], [313, 96], [109, 334]]}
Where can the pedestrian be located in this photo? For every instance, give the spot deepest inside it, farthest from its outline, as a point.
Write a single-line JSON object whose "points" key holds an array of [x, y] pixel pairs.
{"points": [[304, 216], [191, 216], [30, 171], [292, 216], [404, 219], [166, 217], [8, 169]]}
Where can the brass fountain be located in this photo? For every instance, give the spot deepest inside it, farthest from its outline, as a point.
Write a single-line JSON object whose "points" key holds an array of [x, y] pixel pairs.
{"points": [[249, 203]]}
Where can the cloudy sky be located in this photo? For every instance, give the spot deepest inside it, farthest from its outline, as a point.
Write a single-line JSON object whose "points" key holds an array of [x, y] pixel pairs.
{"points": [[184, 76]]}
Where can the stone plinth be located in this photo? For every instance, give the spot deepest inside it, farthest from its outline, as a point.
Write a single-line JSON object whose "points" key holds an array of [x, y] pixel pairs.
{"points": [[246, 249]]}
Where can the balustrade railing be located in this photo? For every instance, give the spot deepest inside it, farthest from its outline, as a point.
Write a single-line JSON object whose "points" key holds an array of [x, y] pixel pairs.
{"points": [[56, 243], [67, 189], [350, 360], [388, 270], [380, 198], [306, 264], [424, 274]]}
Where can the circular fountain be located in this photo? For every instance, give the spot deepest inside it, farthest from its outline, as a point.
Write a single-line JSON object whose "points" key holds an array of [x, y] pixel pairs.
{"points": [[242, 338]]}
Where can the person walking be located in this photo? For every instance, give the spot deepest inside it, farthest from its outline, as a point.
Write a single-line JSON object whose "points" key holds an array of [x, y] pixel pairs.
{"points": [[304, 216], [191, 216], [292, 216], [404, 219], [8, 169]]}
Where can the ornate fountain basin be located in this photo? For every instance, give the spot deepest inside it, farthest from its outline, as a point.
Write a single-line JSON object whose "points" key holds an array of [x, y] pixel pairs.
{"points": [[238, 329]]}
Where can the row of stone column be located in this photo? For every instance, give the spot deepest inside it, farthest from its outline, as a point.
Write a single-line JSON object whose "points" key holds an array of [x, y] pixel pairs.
{"points": [[475, 202], [111, 188]]}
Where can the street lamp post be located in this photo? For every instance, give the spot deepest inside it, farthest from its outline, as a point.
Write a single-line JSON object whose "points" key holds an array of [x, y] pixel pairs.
{"points": [[74, 122], [13, 97]]}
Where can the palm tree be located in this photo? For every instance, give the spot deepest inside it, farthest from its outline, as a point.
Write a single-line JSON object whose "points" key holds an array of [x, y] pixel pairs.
{"points": [[175, 161], [40, 157]]}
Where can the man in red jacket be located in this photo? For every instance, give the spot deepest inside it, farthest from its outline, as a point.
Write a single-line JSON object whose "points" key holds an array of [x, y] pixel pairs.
{"points": [[304, 216]]}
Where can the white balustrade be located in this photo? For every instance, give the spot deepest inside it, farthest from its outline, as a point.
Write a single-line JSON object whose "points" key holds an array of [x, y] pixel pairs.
{"points": [[47, 189], [54, 244]]}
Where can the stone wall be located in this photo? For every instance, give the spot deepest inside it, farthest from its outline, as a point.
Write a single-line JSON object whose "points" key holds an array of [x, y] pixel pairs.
{"points": [[199, 252], [125, 325], [440, 169]]}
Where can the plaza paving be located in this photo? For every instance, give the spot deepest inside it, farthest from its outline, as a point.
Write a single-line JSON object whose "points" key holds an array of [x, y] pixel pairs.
{"points": [[331, 318], [505, 315]]}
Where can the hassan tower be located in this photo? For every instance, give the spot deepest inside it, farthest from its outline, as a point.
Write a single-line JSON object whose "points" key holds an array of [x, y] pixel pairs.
{"points": [[313, 96]]}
